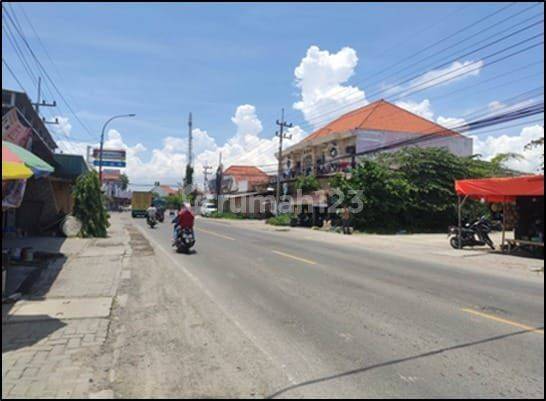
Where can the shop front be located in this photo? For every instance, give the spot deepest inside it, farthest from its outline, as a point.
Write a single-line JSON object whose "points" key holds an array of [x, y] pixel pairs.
{"points": [[521, 200]]}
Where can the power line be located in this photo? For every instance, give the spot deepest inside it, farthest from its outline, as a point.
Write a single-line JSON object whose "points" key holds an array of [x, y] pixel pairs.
{"points": [[44, 48], [13, 74], [383, 70], [484, 121], [41, 67], [514, 115], [19, 54], [419, 87]]}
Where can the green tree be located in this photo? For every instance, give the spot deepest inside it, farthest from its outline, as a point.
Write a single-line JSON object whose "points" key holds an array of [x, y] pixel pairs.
{"points": [[124, 181], [380, 190], [188, 179], [307, 184], [537, 143], [175, 201], [498, 163], [89, 206], [430, 174]]}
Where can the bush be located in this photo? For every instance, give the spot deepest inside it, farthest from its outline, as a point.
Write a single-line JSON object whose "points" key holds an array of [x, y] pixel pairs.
{"points": [[280, 220], [307, 184], [89, 206], [412, 189]]}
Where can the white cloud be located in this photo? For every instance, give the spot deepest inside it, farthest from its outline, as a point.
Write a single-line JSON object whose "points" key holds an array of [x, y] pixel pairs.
{"points": [[167, 163], [64, 127], [320, 77], [496, 105], [422, 108], [452, 122], [454, 72], [492, 146]]}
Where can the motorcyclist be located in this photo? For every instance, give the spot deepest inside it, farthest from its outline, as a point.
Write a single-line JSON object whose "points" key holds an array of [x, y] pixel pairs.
{"points": [[151, 213], [183, 220]]}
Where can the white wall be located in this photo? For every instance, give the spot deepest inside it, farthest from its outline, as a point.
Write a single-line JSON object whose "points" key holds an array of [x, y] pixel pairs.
{"points": [[369, 140]]}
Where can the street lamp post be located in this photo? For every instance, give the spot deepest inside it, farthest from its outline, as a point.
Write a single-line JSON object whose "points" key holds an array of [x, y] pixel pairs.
{"points": [[102, 141]]}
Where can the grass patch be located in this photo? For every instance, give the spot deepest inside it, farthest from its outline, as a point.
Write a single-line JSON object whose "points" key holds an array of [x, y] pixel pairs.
{"points": [[225, 215]]}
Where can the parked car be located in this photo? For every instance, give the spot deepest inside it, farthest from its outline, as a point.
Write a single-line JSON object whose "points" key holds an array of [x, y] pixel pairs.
{"points": [[208, 208]]}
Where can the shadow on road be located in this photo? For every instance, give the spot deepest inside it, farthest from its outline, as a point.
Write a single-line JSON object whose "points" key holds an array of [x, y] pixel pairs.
{"points": [[397, 361], [20, 332]]}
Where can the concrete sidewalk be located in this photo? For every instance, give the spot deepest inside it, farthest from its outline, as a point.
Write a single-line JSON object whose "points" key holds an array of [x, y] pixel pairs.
{"points": [[49, 338]]}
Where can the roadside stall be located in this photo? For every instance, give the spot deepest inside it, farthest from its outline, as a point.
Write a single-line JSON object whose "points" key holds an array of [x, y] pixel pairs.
{"points": [[18, 165], [525, 193]]}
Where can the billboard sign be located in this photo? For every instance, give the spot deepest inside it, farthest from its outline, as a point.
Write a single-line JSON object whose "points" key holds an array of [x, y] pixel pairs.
{"points": [[109, 163], [110, 154]]}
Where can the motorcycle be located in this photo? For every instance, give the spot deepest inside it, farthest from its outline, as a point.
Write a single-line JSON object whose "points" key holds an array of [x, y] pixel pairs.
{"points": [[152, 222], [475, 234], [185, 240], [160, 215]]}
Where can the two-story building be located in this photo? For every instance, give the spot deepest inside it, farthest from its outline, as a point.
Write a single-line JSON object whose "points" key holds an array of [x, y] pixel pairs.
{"points": [[379, 126]]}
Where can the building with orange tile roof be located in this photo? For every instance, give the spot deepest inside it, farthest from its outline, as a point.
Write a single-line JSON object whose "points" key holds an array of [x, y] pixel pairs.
{"points": [[245, 178], [378, 126]]}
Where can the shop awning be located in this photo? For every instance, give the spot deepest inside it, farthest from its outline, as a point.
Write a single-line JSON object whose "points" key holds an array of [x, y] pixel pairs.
{"points": [[37, 165], [13, 167], [497, 190], [69, 166]]}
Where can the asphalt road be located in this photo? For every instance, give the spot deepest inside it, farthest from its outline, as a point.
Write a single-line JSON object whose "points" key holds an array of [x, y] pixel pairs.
{"points": [[341, 321]]}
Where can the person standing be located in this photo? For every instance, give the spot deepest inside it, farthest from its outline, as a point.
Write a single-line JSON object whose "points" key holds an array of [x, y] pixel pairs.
{"points": [[346, 220]]}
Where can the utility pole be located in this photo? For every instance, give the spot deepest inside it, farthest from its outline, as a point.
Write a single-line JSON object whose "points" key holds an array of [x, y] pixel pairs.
{"points": [[219, 178], [190, 142], [40, 102], [281, 134], [206, 172], [188, 180]]}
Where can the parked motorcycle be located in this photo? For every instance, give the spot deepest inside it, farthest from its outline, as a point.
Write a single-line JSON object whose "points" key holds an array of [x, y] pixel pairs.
{"points": [[185, 240], [472, 234]]}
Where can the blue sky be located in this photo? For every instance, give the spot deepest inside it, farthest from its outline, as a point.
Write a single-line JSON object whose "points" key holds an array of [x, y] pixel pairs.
{"points": [[162, 61]]}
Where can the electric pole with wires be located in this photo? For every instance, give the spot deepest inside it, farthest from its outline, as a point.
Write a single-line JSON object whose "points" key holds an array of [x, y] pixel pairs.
{"points": [[219, 179], [40, 102], [282, 135], [188, 180]]}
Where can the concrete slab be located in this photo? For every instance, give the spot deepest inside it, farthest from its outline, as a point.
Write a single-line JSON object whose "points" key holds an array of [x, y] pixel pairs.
{"points": [[65, 309], [94, 251]]}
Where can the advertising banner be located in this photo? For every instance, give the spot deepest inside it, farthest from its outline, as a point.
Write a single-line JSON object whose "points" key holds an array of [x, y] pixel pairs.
{"points": [[15, 132]]}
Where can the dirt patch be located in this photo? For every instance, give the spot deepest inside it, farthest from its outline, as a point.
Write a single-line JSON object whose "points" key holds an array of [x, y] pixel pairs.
{"points": [[139, 244]]}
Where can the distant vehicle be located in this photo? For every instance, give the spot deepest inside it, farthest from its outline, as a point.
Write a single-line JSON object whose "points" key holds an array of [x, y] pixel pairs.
{"points": [[140, 202], [152, 221], [208, 208]]}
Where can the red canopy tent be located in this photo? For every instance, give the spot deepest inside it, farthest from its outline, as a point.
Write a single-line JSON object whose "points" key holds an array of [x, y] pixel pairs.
{"points": [[499, 190]]}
